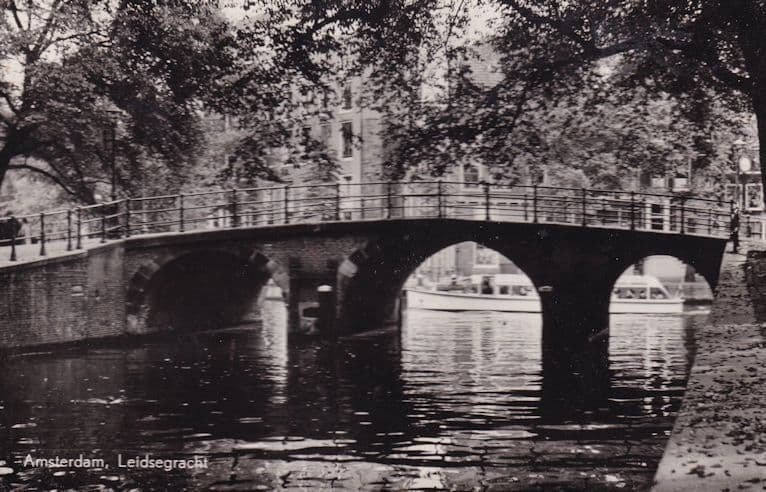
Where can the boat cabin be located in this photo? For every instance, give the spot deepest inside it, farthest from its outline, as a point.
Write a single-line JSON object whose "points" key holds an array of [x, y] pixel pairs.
{"points": [[639, 287], [502, 284]]}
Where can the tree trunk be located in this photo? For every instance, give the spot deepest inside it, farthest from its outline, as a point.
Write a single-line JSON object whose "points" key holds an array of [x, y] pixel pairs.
{"points": [[759, 107], [6, 154]]}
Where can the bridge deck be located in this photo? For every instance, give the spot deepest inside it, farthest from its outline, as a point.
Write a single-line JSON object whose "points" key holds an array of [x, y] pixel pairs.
{"points": [[266, 207]]}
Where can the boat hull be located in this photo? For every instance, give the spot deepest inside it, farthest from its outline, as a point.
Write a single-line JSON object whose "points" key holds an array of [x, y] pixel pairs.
{"points": [[452, 301]]}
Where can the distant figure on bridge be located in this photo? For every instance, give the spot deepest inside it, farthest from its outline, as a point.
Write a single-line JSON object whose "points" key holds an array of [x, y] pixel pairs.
{"points": [[9, 229], [735, 228]]}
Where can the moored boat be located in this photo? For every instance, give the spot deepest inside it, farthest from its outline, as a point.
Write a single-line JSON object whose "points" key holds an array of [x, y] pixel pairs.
{"points": [[516, 293]]}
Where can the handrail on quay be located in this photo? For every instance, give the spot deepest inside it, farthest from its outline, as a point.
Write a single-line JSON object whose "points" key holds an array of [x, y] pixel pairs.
{"points": [[382, 200]]}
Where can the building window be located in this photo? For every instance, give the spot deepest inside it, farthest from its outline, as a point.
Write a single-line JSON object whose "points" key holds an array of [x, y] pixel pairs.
{"points": [[305, 135], [657, 181], [471, 175], [347, 98], [484, 256], [347, 139], [325, 131], [754, 196]]}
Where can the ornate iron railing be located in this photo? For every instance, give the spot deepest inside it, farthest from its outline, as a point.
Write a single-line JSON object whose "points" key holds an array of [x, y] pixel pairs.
{"points": [[71, 229]]}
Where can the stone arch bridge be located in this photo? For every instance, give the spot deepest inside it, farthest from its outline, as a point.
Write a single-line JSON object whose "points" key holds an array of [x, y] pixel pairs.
{"points": [[145, 265]]}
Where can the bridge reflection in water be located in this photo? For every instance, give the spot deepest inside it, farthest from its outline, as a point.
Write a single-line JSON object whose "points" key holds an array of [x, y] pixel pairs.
{"points": [[453, 401]]}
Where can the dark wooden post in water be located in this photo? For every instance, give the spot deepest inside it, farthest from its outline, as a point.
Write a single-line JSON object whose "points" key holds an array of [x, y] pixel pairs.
{"points": [[42, 234], [181, 224], [69, 230], [388, 200], [79, 228], [534, 203], [13, 240]]}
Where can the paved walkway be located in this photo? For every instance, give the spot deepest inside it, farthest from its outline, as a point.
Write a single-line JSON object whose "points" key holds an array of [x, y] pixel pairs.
{"points": [[27, 253], [719, 438]]}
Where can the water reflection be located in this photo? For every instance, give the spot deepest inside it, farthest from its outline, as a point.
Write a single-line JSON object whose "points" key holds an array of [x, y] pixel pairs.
{"points": [[453, 401]]}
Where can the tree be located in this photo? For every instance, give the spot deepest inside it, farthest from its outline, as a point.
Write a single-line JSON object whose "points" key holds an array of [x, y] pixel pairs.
{"points": [[74, 69], [701, 56]]}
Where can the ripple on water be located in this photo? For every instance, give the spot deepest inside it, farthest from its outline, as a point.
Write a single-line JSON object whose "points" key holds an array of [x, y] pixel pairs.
{"points": [[454, 401]]}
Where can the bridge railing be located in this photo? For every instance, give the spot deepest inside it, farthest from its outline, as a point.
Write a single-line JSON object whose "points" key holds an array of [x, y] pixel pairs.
{"points": [[65, 230]]}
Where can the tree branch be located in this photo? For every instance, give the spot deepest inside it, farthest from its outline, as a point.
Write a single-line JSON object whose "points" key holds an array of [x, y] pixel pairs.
{"points": [[15, 13], [45, 173]]}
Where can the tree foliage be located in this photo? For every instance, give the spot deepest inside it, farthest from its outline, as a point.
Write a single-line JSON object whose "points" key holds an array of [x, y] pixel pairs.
{"points": [[73, 70]]}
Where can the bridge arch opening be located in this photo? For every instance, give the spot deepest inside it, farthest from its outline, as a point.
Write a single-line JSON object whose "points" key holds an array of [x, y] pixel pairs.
{"points": [[656, 305], [201, 290], [469, 276]]}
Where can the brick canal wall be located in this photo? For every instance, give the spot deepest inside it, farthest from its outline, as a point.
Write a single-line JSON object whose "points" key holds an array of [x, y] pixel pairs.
{"points": [[719, 438], [63, 299]]}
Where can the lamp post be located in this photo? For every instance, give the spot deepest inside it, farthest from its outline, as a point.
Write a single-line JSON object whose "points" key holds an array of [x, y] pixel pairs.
{"points": [[743, 165]]}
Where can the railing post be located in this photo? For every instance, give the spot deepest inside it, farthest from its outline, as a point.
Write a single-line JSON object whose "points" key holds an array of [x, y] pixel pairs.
{"points": [[439, 197], [526, 208], [181, 218], [584, 207], [127, 217], [337, 200], [234, 212], [534, 203], [42, 234], [632, 210], [388, 200], [69, 229], [287, 205], [78, 213], [486, 201], [683, 215], [103, 225], [13, 240]]}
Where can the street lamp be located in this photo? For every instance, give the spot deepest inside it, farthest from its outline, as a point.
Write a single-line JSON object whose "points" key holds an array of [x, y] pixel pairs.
{"points": [[743, 165]]}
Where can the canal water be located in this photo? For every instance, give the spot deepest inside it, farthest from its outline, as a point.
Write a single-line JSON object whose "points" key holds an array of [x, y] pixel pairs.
{"points": [[454, 401]]}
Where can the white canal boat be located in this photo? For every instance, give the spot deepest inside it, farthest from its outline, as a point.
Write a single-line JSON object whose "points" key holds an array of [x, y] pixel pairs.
{"points": [[641, 294]]}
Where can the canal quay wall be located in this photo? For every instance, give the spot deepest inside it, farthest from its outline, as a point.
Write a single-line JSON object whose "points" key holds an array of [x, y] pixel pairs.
{"points": [[719, 438], [63, 299]]}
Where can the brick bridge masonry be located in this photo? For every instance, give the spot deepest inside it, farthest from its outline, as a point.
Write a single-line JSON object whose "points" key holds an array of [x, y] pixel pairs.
{"points": [[212, 278]]}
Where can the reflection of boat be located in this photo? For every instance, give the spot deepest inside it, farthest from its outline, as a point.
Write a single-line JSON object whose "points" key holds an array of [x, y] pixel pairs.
{"points": [[515, 293]]}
